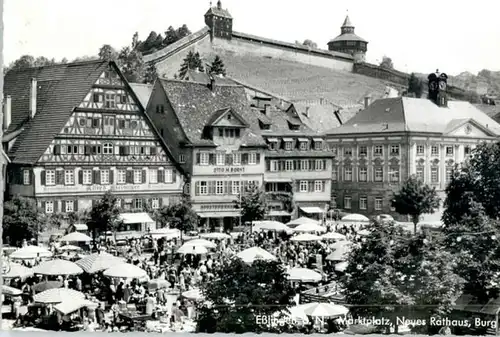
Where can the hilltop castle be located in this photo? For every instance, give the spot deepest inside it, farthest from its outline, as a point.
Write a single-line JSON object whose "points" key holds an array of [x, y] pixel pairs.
{"points": [[218, 36]]}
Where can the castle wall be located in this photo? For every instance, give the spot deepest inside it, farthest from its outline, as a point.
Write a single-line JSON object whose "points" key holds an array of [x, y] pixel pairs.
{"points": [[372, 70]]}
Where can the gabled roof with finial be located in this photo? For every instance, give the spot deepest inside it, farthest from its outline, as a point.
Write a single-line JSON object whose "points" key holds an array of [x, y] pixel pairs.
{"points": [[347, 22], [219, 11]]}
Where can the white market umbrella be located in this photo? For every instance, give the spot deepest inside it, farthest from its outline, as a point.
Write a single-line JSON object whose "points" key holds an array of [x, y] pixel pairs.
{"points": [[67, 307], [30, 253], [192, 249], [98, 261], [201, 242], [58, 295], [125, 270], [341, 250], [363, 232], [167, 233], [255, 253], [303, 221], [309, 228], [69, 248], [218, 236], [324, 309], [76, 237], [7, 290], [333, 236], [341, 266], [268, 225], [57, 267], [14, 270], [355, 218], [304, 275], [193, 295], [306, 237]]}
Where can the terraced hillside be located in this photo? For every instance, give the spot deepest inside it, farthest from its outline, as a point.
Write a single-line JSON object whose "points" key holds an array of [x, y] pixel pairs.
{"points": [[302, 82]]}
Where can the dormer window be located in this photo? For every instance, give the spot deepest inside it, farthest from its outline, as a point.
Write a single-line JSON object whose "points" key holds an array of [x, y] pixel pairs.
{"points": [[229, 133], [303, 146], [288, 144], [273, 144], [318, 144]]}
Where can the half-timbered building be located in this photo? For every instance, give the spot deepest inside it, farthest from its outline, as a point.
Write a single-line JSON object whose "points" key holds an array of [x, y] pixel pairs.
{"points": [[76, 130]]}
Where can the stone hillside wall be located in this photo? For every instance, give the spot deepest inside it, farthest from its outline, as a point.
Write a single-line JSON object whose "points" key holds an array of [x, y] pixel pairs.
{"points": [[372, 70]]}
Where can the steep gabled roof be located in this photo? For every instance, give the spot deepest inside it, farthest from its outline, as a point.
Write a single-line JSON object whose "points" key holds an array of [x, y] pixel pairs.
{"points": [[221, 113], [143, 92], [194, 104], [60, 89]]}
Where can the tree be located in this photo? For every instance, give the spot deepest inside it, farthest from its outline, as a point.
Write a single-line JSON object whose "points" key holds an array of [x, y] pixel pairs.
{"points": [[415, 85], [42, 61], [414, 199], [85, 58], [108, 53], [386, 63], [217, 67], [173, 35], [20, 220], [135, 41], [104, 215], [25, 61], [150, 74], [180, 215], [191, 62], [150, 42], [473, 239], [240, 294], [310, 43], [252, 203], [131, 65]]}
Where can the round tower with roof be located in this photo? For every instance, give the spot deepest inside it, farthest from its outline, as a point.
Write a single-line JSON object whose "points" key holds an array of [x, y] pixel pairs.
{"points": [[348, 42]]}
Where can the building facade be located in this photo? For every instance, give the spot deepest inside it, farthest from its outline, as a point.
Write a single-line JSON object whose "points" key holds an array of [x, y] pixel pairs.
{"points": [[394, 138], [78, 130]]}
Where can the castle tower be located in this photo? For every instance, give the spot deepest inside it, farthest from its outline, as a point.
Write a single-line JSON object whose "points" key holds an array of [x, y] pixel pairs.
{"points": [[220, 22], [348, 42], [438, 83]]}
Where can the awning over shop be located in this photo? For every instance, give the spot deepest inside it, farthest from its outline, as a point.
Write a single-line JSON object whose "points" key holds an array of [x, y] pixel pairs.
{"points": [[312, 210], [132, 218], [278, 180], [278, 213], [218, 214]]}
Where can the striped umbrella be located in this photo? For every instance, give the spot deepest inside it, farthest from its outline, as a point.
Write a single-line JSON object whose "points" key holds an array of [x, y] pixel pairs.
{"points": [[58, 295], [57, 267], [98, 261]]}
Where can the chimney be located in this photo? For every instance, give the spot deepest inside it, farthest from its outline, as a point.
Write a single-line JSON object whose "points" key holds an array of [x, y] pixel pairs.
{"points": [[267, 109], [367, 101], [33, 91], [7, 113]]}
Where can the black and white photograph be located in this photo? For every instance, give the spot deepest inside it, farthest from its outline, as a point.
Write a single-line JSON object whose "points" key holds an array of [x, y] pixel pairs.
{"points": [[265, 166]]}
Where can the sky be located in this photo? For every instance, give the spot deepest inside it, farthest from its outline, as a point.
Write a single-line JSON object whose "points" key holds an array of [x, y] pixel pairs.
{"points": [[419, 36]]}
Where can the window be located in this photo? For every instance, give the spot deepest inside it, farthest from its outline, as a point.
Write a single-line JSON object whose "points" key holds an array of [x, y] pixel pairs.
{"points": [[449, 174], [363, 203], [69, 177], [252, 158], [363, 150], [221, 132], [109, 101], [378, 204], [434, 174], [107, 148], [289, 165], [420, 173], [273, 165], [378, 150], [318, 186], [203, 188], [50, 177], [137, 203], [434, 150], [420, 150], [449, 150], [221, 159], [319, 165], [160, 108], [236, 158], [347, 202], [273, 146], [87, 177], [394, 150], [363, 174], [288, 146], [394, 175], [467, 150], [303, 146], [204, 156], [334, 151], [104, 177], [26, 177], [318, 145], [153, 176], [379, 174], [335, 171], [49, 207], [182, 158], [347, 151], [155, 203], [137, 176], [236, 187], [121, 177], [303, 186], [219, 187], [169, 178], [348, 174], [69, 206], [304, 165]]}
